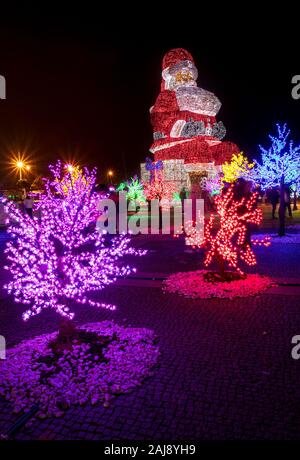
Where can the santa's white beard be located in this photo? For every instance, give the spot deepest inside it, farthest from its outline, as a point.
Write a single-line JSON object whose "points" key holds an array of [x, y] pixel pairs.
{"points": [[197, 100]]}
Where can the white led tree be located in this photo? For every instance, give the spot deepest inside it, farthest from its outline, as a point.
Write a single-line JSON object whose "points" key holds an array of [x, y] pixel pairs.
{"points": [[279, 167]]}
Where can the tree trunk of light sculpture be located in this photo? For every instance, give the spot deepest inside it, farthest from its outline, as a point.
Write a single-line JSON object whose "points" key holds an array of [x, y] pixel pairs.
{"points": [[281, 213]]}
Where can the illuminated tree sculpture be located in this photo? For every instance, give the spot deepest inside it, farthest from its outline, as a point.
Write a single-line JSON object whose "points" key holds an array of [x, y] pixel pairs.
{"points": [[214, 185], [154, 190], [134, 190], [279, 167], [159, 189], [122, 187], [237, 167], [230, 242], [227, 242], [155, 168], [74, 173], [57, 258]]}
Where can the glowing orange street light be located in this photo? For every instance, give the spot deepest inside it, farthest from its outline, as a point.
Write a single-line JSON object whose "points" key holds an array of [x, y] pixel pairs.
{"points": [[20, 166], [110, 173], [70, 168]]}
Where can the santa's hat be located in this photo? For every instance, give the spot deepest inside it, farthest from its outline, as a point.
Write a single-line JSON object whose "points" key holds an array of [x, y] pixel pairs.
{"points": [[172, 62], [175, 56]]}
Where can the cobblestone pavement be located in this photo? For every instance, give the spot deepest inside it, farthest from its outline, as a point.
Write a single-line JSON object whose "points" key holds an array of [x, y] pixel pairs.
{"points": [[225, 370], [169, 255]]}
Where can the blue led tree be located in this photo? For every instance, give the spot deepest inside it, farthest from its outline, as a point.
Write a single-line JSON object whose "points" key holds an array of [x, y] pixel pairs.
{"points": [[279, 167]]}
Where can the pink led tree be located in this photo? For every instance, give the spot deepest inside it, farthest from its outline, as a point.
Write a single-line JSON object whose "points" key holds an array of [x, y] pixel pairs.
{"points": [[159, 189], [59, 257]]}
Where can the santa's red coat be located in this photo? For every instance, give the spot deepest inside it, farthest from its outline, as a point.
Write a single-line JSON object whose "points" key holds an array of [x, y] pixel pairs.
{"points": [[199, 149]]}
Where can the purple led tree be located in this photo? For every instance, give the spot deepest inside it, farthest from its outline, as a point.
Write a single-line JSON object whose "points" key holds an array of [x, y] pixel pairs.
{"points": [[59, 256], [213, 185], [280, 167]]}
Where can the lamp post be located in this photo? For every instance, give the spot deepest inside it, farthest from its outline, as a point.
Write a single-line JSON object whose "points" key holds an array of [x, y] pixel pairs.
{"points": [[70, 168], [20, 166], [109, 176]]}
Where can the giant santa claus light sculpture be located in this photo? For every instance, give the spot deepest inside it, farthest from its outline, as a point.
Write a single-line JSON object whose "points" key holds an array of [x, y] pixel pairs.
{"points": [[187, 136]]}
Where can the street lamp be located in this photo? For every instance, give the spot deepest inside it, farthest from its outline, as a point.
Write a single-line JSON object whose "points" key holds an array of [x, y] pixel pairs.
{"points": [[110, 173], [70, 168], [20, 166]]}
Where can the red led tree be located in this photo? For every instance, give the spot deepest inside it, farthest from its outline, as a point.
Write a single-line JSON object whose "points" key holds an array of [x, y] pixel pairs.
{"points": [[229, 241]]}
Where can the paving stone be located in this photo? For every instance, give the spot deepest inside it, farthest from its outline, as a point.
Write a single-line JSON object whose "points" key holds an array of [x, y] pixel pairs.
{"points": [[225, 370]]}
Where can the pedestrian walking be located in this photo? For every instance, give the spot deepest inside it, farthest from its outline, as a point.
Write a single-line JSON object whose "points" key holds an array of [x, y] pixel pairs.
{"points": [[287, 200], [273, 196], [28, 205]]}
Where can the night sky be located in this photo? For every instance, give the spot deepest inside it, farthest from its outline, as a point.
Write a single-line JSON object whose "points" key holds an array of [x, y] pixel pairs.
{"points": [[81, 93]]}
